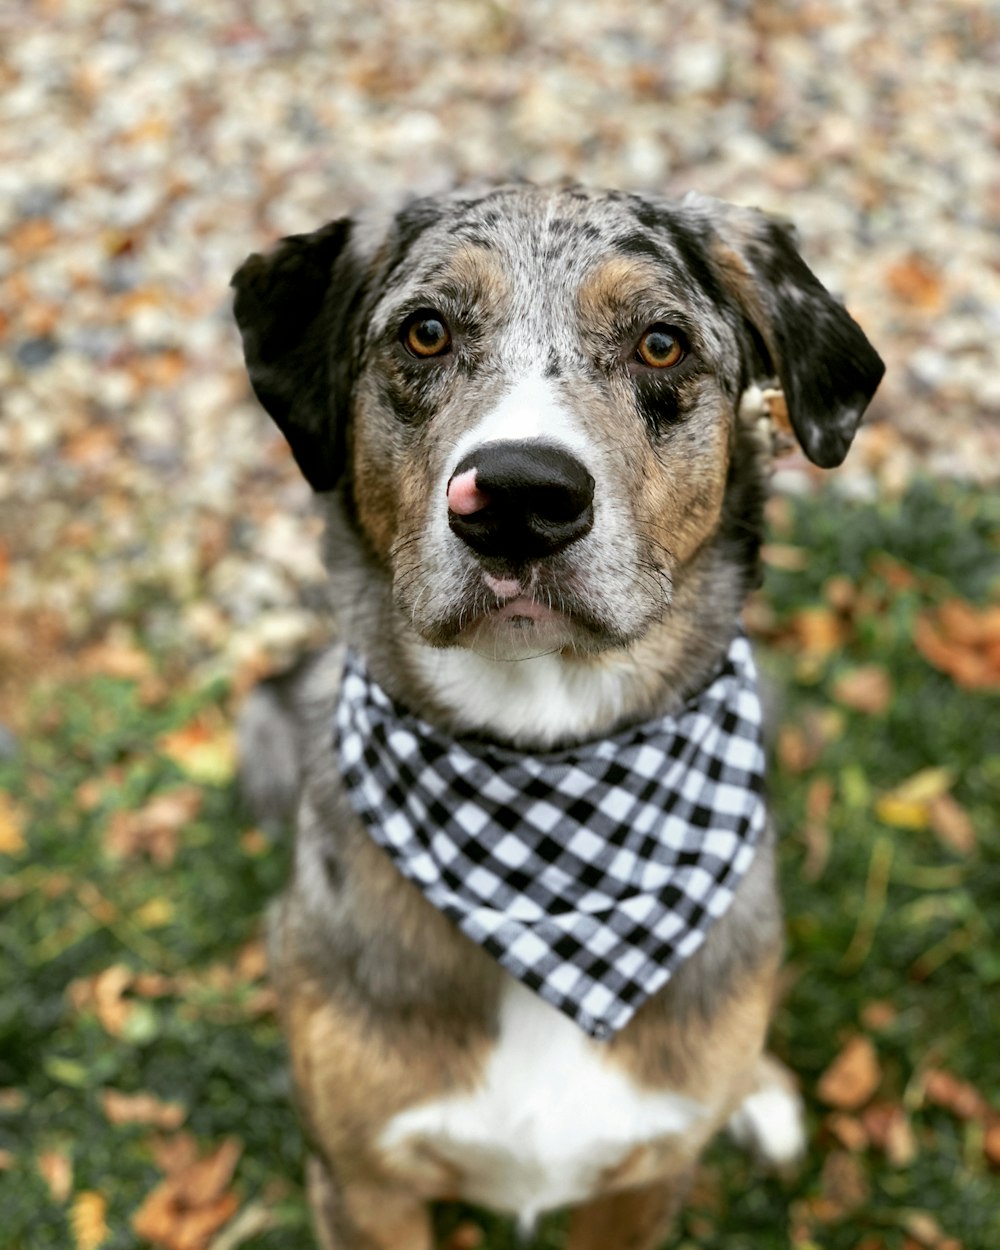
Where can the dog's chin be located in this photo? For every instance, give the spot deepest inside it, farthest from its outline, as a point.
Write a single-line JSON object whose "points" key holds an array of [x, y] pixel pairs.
{"points": [[522, 629]]}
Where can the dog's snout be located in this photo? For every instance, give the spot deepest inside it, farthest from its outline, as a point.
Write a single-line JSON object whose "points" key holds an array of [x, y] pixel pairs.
{"points": [[519, 501]]}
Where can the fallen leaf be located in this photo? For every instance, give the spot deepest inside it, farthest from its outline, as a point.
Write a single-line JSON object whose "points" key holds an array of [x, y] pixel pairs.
{"points": [[951, 824], [154, 829], [879, 1015], [848, 1130], [204, 749], [818, 631], [852, 1078], [840, 593], [819, 798], [11, 826], [867, 689], [908, 805], [56, 1171], [88, 1220], [784, 556], [915, 282], [991, 1144], [944, 1089], [962, 641], [888, 1129], [192, 1203], [7, 1160], [844, 1187], [104, 994], [141, 1108]]}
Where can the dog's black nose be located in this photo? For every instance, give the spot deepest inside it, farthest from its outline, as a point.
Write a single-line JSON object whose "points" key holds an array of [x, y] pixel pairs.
{"points": [[520, 501]]}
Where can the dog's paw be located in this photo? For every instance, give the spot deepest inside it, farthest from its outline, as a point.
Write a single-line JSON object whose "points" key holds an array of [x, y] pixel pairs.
{"points": [[770, 1121]]}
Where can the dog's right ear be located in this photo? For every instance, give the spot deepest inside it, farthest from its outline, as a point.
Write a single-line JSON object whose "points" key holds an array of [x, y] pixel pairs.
{"points": [[294, 309]]}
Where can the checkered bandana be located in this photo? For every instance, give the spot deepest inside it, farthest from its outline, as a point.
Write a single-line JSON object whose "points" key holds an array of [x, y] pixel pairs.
{"points": [[590, 873]]}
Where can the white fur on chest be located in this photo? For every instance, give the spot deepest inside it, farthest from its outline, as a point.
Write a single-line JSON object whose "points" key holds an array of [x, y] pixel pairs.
{"points": [[550, 1116]]}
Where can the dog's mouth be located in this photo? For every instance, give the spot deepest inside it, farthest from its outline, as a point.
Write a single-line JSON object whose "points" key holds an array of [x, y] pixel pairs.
{"points": [[519, 617]]}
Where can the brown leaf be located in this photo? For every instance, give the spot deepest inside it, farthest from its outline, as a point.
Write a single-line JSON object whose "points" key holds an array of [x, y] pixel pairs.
{"points": [[192, 1203], [56, 1170], [141, 1108], [784, 556], [889, 1130], [867, 689], [944, 1089], [853, 1077], [950, 822], [991, 1144], [112, 1008], [848, 1130], [816, 835], [879, 1015], [844, 1187], [154, 829], [7, 1161]]}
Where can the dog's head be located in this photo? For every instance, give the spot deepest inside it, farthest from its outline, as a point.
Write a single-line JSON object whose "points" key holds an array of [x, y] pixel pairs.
{"points": [[530, 395]]}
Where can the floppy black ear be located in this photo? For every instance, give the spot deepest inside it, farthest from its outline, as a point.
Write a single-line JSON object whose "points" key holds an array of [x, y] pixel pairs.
{"points": [[293, 309], [827, 368]]}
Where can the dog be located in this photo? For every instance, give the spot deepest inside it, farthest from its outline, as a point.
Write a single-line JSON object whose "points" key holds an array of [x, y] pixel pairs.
{"points": [[523, 411]]}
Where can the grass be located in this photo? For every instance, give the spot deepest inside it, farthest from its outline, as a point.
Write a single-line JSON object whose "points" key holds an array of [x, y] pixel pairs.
{"points": [[891, 932]]}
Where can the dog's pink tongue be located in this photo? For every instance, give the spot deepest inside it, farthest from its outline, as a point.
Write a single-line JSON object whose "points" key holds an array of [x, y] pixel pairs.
{"points": [[463, 495]]}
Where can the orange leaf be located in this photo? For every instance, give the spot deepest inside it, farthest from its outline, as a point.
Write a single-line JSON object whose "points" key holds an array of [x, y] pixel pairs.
{"points": [[205, 748], [819, 631], [962, 641], [853, 1077], [192, 1203], [867, 689]]}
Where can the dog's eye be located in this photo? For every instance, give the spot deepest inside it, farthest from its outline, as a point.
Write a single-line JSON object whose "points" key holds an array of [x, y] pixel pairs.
{"points": [[426, 334], [661, 347]]}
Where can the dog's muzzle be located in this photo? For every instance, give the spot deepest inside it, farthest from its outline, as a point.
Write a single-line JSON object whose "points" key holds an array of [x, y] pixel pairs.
{"points": [[520, 501]]}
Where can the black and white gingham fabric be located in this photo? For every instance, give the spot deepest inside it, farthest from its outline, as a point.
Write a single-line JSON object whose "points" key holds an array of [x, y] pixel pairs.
{"points": [[590, 873]]}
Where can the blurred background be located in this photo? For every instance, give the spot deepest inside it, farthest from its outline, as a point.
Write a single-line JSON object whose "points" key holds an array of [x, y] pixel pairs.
{"points": [[158, 554], [146, 148]]}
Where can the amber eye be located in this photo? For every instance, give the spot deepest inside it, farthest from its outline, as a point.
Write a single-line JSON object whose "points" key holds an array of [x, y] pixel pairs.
{"points": [[426, 334], [660, 347]]}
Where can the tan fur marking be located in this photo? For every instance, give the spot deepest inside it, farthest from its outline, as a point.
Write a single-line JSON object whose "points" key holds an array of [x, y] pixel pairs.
{"points": [[635, 1219], [702, 1061], [613, 283]]}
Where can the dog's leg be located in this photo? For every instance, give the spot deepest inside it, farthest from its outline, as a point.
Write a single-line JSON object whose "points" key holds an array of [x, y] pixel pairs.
{"points": [[365, 1217], [631, 1219], [770, 1121]]}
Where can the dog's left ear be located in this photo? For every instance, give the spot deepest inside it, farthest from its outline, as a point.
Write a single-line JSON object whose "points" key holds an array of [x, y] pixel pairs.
{"points": [[827, 368], [293, 308]]}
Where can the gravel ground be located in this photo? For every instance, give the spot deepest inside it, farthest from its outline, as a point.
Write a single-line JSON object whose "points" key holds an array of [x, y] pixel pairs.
{"points": [[146, 148]]}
